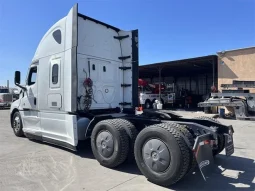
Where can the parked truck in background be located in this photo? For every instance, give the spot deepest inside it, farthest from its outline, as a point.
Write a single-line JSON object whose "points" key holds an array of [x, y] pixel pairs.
{"points": [[83, 84], [149, 93], [6, 97]]}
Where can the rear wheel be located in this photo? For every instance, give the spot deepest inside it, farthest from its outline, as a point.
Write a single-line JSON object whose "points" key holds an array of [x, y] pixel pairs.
{"points": [[221, 145], [109, 143], [162, 154], [208, 119], [132, 134], [184, 130], [221, 138], [17, 125]]}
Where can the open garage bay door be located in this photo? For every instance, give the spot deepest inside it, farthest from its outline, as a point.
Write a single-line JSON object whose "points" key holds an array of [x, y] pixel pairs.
{"points": [[196, 75]]}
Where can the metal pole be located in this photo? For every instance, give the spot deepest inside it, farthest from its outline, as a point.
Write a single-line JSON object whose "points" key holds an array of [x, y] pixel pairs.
{"points": [[190, 83], [206, 88], [160, 84], [213, 71]]}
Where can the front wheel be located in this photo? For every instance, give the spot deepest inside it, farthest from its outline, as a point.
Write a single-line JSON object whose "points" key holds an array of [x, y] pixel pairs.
{"points": [[17, 125]]}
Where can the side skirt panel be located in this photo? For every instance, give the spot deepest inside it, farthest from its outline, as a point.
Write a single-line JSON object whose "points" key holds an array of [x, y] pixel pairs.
{"points": [[50, 141]]}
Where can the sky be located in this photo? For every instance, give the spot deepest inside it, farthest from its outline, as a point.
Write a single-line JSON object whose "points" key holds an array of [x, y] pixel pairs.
{"points": [[168, 29]]}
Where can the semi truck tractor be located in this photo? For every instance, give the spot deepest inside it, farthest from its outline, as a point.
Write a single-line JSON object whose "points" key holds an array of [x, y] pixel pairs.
{"points": [[6, 97], [82, 84]]}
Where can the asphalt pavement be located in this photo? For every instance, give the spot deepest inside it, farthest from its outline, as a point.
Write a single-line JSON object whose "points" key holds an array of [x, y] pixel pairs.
{"points": [[27, 165]]}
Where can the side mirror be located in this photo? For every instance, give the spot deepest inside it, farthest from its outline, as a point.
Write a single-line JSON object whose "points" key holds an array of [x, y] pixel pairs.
{"points": [[17, 77], [17, 80]]}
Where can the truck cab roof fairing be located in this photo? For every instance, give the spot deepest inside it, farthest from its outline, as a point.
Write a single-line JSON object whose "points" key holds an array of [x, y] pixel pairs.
{"points": [[58, 36], [44, 49], [61, 39]]}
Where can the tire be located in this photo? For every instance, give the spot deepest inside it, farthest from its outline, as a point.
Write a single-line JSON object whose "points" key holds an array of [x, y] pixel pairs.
{"points": [[221, 145], [148, 104], [167, 137], [17, 125], [132, 134], [221, 138], [109, 143], [193, 162], [208, 119]]}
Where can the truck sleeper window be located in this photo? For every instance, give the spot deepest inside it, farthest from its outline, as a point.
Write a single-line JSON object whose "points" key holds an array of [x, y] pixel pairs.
{"points": [[32, 76], [55, 74]]}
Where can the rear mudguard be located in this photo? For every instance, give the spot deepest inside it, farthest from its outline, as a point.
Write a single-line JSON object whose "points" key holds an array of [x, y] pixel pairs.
{"points": [[203, 151]]}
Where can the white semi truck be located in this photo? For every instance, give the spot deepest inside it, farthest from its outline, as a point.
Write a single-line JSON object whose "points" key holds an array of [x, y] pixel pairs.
{"points": [[83, 84], [6, 97]]}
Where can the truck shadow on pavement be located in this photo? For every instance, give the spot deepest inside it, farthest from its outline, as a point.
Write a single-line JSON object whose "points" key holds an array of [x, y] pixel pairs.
{"points": [[232, 173], [85, 151]]}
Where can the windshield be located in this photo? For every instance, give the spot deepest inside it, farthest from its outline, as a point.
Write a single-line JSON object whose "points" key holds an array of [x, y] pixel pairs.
{"points": [[4, 91]]}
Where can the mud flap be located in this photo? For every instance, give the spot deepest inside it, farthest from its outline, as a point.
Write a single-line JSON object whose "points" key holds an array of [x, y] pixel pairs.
{"points": [[229, 144], [203, 154]]}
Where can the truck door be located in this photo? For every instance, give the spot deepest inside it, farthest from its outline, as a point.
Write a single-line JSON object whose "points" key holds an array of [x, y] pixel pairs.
{"points": [[57, 88], [29, 107]]}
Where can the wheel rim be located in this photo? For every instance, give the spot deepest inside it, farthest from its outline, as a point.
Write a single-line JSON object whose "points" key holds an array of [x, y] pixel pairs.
{"points": [[105, 145], [147, 105], [16, 124], [156, 155]]}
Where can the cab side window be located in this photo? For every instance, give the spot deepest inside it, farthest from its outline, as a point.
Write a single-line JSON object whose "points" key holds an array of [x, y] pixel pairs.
{"points": [[55, 74], [32, 76]]}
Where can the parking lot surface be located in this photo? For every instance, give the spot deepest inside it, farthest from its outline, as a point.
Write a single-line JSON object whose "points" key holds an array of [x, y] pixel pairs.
{"points": [[27, 165]]}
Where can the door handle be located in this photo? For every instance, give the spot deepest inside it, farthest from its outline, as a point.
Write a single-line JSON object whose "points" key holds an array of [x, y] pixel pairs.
{"points": [[35, 101]]}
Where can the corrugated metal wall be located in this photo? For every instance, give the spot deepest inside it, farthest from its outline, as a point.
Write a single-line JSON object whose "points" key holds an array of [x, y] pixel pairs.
{"points": [[168, 80]]}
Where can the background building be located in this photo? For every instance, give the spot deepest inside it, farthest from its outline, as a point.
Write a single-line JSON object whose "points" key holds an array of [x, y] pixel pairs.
{"points": [[198, 75], [236, 65]]}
